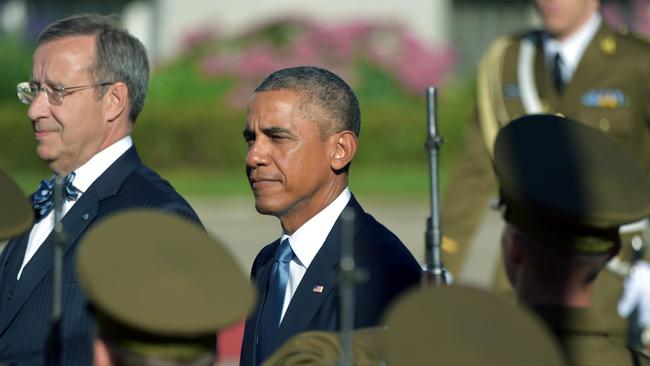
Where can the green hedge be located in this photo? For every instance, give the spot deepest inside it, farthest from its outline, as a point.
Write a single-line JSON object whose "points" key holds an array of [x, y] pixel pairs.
{"points": [[207, 136], [189, 122]]}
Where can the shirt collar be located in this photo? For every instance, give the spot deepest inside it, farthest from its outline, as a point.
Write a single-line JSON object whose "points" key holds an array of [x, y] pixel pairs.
{"points": [[86, 174], [572, 48], [310, 237]]}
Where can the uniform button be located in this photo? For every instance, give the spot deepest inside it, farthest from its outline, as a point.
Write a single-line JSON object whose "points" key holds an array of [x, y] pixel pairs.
{"points": [[604, 124], [9, 295]]}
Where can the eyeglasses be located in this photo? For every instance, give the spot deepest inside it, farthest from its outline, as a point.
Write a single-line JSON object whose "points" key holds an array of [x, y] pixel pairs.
{"points": [[29, 90]]}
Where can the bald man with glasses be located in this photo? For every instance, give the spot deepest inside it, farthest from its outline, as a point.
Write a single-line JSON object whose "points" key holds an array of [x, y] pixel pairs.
{"points": [[88, 85]]}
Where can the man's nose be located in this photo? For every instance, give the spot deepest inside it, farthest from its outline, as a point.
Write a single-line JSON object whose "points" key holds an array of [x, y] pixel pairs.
{"points": [[257, 154], [39, 107]]}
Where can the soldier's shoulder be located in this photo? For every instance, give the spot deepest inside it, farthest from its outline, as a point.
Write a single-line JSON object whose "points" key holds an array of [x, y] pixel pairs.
{"points": [[632, 41], [507, 44]]}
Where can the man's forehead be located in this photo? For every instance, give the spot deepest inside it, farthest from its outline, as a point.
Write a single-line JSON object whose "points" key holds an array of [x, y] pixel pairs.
{"points": [[80, 42], [283, 100], [64, 57], [274, 106]]}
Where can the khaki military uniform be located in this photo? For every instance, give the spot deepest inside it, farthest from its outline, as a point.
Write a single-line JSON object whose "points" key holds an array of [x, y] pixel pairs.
{"points": [[609, 90], [585, 339]]}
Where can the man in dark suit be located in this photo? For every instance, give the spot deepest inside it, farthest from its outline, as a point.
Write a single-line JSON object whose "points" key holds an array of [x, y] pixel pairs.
{"points": [[302, 130], [89, 81]]}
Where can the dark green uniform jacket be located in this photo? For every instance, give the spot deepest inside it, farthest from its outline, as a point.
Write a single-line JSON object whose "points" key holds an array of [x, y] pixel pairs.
{"points": [[584, 338], [609, 90]]}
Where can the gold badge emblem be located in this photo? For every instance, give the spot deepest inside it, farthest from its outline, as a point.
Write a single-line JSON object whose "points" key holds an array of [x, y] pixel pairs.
{"points": [[608, 45]]}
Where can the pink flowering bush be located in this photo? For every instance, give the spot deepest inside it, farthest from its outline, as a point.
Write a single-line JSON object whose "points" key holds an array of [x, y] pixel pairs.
{"points": [[341, 48], [634, 14], [195, 109]]}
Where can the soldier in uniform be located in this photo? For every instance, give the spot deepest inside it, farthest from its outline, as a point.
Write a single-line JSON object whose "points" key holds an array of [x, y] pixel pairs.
{"points": [[160, 289], [577, 66], [463, 326], [566, 189], [447, 326]]}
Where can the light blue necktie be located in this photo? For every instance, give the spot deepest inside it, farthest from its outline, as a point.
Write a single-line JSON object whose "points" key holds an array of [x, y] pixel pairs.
{"points": [[272, 311]]}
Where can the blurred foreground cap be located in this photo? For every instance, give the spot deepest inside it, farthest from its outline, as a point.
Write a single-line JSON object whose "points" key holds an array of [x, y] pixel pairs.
{"points": [[16, 214], [324, 349], [465, 326], [564, 183], [159, 284]]}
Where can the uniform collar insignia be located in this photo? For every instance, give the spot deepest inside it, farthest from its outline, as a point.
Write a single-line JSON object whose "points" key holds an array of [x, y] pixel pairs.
{"points": [[608, 45]]}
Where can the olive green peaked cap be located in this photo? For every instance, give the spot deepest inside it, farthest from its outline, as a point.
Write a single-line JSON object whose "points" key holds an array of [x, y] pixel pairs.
{"points": [[160, 285], [16, 214], [564, 183], [464, 326], [324, 349]]}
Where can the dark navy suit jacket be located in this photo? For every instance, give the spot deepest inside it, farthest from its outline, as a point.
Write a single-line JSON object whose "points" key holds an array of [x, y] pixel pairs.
{"points": [[25, 304], [390, 265]]}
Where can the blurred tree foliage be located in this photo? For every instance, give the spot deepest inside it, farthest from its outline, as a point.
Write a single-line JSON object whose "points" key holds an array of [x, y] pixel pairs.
{"points": [[16, 64]]}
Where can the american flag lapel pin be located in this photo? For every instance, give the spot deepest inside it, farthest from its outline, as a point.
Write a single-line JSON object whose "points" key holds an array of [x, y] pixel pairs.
{"points": [[318, 289]]}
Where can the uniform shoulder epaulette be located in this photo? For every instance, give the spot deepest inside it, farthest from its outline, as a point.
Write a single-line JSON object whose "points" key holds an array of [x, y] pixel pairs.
{"points": [[501, 40], [491, 108], [534, 35], [633, 37]]}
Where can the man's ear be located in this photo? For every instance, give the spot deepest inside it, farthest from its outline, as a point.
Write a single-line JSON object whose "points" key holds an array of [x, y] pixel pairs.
{"points": [[116, 101], [345, 147]]}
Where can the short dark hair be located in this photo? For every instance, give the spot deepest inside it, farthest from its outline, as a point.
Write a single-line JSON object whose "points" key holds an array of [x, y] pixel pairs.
{"points": [[119, 56], [323, 89]]}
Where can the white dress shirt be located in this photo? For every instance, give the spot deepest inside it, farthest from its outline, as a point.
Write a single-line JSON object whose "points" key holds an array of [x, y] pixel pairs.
{"points": [[572, 48], [85, 175], [307, 241]]}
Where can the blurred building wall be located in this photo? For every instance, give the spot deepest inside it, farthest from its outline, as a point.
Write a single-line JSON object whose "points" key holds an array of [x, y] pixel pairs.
{"points": [[477, 23], [467, 25], [428, 19]]}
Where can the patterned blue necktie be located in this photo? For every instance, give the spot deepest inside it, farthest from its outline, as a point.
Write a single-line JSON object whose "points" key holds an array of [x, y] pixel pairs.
{"points": [[272, 311], [43, 199]]}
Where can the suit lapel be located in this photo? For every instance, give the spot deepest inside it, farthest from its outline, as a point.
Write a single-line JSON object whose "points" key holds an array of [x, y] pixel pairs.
{"points": [[42, 261], [14, 247], [323, 271], [75, 223], [305, 301], [261, 284]]}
